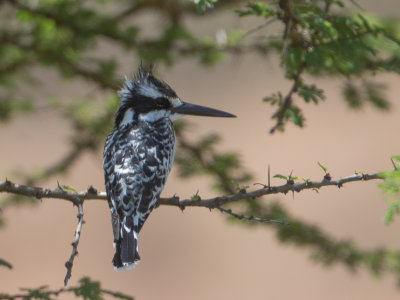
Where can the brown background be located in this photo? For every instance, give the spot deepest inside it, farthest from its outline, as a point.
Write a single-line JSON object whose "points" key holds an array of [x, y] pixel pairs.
{"points": [[197, 254]]}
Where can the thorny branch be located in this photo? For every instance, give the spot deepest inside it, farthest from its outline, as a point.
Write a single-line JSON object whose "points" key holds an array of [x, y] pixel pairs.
{"points": [[290, 37], [77, 198], [75, 243], [92, 194], [279, 115], [57, 193], [250, 218]]}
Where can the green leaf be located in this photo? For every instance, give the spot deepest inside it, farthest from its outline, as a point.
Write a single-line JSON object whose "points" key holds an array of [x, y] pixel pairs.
{"points": [[280, 176], [257, 9], [374, 94], [5, 263], [275, 98], [90, 290], [311, 92], [322, 167], [352, 95], [238, 187], [294, 114], [196, 197], [392, 209], [69, 187]]}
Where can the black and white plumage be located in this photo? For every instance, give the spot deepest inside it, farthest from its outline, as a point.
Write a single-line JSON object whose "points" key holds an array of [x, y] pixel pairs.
{"points": [[138, 157]]}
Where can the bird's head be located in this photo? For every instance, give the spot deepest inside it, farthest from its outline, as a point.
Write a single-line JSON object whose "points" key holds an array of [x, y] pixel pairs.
{"points": [[145, 98]]}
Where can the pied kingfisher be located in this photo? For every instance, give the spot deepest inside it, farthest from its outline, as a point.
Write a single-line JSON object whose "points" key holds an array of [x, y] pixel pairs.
{"points": [[138, 155]]}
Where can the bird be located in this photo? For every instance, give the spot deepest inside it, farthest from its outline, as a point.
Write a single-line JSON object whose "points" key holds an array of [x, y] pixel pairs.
{"points": [[138, 156]]}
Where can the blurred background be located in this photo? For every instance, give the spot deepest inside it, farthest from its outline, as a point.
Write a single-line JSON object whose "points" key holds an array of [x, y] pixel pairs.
{"points": [[60, 110]]}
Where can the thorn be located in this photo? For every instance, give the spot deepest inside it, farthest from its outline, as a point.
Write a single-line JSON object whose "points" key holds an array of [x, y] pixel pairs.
{"points": [[59, 186], [269, 177], [91, 190]]}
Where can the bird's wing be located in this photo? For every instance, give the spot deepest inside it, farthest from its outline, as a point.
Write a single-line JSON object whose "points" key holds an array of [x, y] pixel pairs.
{"points": [[136, 179]]}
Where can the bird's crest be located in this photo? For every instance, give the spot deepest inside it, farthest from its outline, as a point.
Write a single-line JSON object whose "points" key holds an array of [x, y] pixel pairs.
{"points": [[144, 84]]}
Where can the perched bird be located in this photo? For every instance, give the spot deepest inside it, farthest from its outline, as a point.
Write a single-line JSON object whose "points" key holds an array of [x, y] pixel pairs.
{"points": [[138, 155]]}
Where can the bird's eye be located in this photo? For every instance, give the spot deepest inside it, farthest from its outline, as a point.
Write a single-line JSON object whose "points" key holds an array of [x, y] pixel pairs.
{"points": [[163, 103]]}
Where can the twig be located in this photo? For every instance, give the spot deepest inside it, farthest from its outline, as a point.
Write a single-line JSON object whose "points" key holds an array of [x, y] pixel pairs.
{"points": [[75, 243], [250, 218], [287, 101], [92, 194], [259, 27], [393, 163]]}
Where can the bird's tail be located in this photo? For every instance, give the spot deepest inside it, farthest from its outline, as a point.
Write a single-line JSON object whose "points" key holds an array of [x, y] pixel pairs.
{"points": [[126, 250]]}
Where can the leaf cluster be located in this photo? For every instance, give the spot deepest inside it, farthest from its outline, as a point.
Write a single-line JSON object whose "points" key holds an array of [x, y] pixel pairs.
{"points": [[322, 38], [87, 290], [391, 189]]}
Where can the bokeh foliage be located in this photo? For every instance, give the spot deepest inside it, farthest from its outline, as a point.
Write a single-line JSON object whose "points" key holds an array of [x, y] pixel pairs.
{"points": [[391, 188], [316, 38], [87, 290]]}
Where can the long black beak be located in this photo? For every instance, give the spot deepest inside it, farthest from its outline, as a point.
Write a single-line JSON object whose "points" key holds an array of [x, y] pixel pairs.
{"points": [[197, 110]]}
